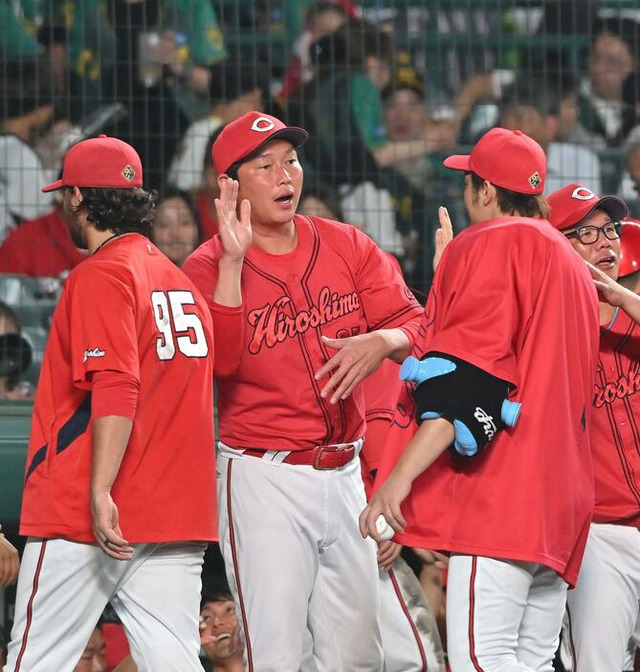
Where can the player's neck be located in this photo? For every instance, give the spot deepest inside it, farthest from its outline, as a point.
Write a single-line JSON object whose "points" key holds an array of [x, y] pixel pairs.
{"points": [[279, 239], [607, 311]]}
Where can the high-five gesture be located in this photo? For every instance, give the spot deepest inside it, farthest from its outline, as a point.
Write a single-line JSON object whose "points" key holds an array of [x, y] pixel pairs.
{"points": [[235, 234], [443, 236]]}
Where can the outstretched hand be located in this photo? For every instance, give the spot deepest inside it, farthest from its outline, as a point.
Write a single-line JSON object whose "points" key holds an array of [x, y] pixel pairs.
{"points": [[356, 358], [443, 235], [235, 234], [106, 527]]}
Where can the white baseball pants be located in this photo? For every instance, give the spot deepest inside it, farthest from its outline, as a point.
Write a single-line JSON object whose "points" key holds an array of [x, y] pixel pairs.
{"points": [[64, 586], [410, 637], [296, 563], [603, 609], [502, 615]]}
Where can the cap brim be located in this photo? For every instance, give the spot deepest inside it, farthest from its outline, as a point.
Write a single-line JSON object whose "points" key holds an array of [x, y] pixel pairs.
{"points": [[295, 135], [458, 162], [58, 184], [615, 207]]}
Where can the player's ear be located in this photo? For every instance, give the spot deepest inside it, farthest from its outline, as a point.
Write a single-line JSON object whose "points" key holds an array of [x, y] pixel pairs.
{"points": [[76, 197], [487, 192]]}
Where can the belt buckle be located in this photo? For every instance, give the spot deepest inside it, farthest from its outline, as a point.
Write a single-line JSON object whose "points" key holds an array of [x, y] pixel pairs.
{"points": [[316, 462]]}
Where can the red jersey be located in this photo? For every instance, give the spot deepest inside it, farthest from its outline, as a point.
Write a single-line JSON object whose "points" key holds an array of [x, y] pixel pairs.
{"points": [[337, 283], [513, 298], [127, 309], [615, 432], [40, 247]]}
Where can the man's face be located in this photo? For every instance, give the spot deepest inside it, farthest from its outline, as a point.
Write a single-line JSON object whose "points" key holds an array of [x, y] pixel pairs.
{"points": [[72, 219], [220, 634], [604, 253], [405, 115], [272, 182], [610, 61], [92, 659]]}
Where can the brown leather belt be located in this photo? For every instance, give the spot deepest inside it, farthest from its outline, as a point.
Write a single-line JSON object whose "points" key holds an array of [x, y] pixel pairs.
{"points": [[320, 457]]}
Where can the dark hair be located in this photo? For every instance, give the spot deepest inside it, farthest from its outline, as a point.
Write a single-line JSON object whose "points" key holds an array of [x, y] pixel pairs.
{"points": [[25, 88], [624, 28], [231, 79], [119, 210], [513, 203], [536, 92], [216, 594], [171, 191]]}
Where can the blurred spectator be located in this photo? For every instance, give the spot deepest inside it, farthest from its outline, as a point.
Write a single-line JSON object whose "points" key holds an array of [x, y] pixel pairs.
{"points": [[603, 114], [322, 18], [41, 247], [26, 108], [205, 200], [630, 186], [531, 106], [16, 355], [176, 227], [92, 659], [318, 200], [406, 119], [631, 98], [235, 89], [153, 56], [219, 633]]}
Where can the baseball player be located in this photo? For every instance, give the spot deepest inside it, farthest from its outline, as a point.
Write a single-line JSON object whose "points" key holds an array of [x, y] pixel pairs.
{"points": [[410, 637], [120, 466], [512, 313], [292, 415], [602, 611]]}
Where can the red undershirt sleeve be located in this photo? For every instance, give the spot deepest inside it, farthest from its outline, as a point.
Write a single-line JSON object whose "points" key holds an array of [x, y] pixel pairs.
{"points": [[228, 338], [114, 393]]}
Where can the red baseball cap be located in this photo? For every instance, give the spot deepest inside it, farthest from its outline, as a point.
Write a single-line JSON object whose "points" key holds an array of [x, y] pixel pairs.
{"points": [[102, 163], [508, 159], [248, 133], [571, 204], [629, 247]]}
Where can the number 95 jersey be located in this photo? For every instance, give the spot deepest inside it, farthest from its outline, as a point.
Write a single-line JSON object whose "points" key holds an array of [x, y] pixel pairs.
{"points": [[126, 309]]}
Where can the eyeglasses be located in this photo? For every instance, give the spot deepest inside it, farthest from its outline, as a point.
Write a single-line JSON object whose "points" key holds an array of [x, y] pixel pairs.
{"points": [[588, 235]]}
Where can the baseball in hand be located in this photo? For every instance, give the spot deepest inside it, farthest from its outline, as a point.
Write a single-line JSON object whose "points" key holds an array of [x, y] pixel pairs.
{"points": [[384, 530]]}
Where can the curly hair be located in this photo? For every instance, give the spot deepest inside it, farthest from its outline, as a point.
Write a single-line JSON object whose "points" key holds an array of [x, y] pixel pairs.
{"points": [[119, 210]]}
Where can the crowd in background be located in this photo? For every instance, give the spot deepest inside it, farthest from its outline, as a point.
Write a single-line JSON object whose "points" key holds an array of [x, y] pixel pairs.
{"points": [[383, 104]]}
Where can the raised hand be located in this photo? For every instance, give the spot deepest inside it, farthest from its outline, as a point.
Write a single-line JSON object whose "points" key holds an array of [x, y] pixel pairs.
{"points": [[443, 235], [235, 234]]}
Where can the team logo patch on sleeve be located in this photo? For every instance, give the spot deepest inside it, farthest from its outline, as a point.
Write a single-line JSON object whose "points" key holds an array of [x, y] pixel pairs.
{"points": [[535, 180], [95, 352]]}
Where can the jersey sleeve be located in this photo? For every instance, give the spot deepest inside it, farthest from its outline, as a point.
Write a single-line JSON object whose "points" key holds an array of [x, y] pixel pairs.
{"points": [[102, 314], [386, 300]]}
